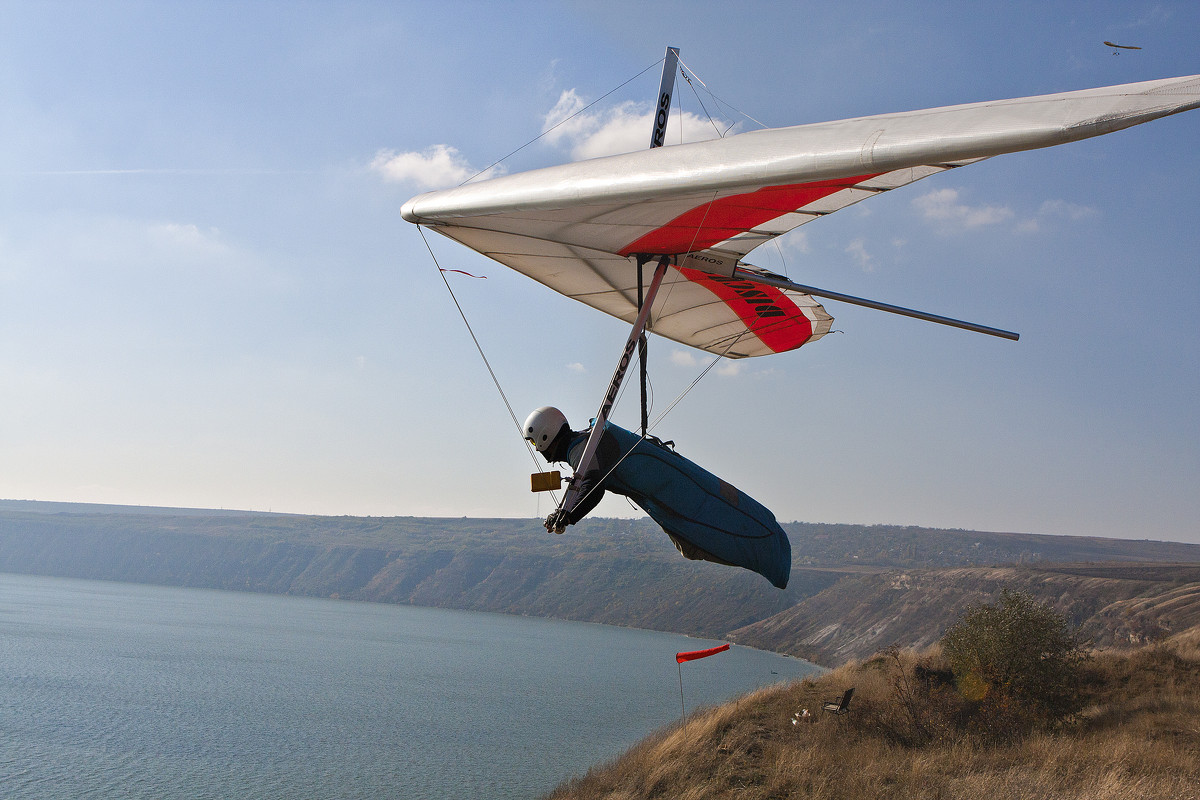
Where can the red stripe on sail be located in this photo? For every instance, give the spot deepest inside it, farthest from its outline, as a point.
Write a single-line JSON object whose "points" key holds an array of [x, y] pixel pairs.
{"points": [[766, 311], [694, 654], [710, 223]]}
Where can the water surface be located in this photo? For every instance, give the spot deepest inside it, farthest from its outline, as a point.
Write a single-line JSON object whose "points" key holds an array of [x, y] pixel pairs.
{"points": [[112, 690]]}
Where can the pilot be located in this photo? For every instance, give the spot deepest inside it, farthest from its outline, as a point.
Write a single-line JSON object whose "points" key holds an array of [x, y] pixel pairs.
{"points": [[547, 428], [706, 518]]}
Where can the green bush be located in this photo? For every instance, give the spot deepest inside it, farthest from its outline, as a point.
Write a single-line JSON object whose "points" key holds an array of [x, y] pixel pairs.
{"points": [[1017, 661]]}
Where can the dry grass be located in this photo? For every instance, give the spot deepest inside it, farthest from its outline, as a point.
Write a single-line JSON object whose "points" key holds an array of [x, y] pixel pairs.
{"points": [[904, 737]]}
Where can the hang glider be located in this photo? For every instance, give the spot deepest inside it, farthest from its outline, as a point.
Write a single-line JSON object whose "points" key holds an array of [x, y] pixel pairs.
{"points": [[1123, 46], [582, 228], [695, 211]]}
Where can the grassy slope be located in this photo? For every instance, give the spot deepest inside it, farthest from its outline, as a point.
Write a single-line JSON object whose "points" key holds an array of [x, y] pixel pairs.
{"points": [[1138, 738]]}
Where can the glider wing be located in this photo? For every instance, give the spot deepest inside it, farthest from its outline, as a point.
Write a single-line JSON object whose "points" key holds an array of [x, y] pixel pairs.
{"points": [[576, 227]]}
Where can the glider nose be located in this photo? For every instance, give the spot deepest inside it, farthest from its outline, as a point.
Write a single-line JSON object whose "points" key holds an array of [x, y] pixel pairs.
{"points": [[408, 213]]}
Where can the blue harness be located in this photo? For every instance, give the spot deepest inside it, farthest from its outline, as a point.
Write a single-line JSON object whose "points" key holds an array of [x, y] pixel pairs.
{"points": [[707, 518]]}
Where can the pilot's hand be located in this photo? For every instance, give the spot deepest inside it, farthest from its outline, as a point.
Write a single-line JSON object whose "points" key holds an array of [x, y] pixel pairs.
{"points": [[557, 521]]}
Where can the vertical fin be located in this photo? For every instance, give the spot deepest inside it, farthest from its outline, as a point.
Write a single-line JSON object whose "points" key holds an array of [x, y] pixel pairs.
{"points": [[666, 88]]}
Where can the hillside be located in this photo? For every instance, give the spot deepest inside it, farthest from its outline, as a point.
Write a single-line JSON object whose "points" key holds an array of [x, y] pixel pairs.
{"points": [[853, 589], [1111, 604], [612, 571], [1136, 738]]}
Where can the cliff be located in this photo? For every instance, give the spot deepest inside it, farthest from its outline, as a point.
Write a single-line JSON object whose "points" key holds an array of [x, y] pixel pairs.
{"points": [[854, 589], [1112, 605]]}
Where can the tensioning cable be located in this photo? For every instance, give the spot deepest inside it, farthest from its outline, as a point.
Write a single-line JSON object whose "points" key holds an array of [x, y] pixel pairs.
{"points": [[479, 347], [685, 70], [733, 340], [561, 122]]}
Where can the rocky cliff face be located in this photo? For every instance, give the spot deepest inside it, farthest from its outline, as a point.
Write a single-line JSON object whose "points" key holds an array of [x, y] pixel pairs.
{"points": [[611, 571], [854, 589], [1111, 605]]}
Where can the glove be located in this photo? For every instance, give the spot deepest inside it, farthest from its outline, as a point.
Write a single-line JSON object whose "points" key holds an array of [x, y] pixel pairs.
{"points": [[557, 521]]}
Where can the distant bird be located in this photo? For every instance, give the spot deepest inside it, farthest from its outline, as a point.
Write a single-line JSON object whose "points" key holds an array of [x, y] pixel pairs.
{"points": [[1121, 47]]}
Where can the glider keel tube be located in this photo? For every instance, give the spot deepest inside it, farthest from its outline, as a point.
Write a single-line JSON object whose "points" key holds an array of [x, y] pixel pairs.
{"points": [[783, 283]]}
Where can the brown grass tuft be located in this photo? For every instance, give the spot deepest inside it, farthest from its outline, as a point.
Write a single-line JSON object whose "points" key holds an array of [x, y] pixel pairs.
{"points": [[905, 737]]}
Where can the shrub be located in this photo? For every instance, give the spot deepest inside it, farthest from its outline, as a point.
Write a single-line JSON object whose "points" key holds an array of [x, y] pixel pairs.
{"points": [[1017, 661], [911, 704]]}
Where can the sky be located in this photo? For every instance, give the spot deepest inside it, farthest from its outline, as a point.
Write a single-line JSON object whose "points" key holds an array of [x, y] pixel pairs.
{"points": [[208, 297]]}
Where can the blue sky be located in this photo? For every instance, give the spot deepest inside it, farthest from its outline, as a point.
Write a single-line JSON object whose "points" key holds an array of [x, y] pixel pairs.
{"points": [[208, 297]]}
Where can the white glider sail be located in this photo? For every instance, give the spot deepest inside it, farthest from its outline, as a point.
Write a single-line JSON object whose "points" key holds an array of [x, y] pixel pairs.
{"points": [[579, 227]]}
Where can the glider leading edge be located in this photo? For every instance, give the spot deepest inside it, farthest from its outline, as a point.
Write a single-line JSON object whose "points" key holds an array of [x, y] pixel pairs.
{"points": [[694, 211]]}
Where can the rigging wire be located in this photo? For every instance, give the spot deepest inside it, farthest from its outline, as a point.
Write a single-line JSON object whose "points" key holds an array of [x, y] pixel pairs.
{"points": [[450, 290], [693, 384], [670, 287], [711, 121], [734, 340], [563, 121], [479, 347], [714, 96], [782, 258], [684, 72], [454, 298]]}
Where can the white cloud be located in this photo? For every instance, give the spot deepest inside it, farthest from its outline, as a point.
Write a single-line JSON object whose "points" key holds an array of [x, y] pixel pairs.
{"points": [[623, 128], [795, 241], [1055, 210], [1065, 210], [943, 207], [559, 123], [168, 250], [858, 249], [575, 366], [120, 245], [728, 368], [436, 167], [186, 238], [682, 358]]}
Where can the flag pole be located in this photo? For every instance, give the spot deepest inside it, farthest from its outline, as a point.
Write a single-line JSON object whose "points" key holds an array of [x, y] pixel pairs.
{"points": [[692, 656], [682, 711]]}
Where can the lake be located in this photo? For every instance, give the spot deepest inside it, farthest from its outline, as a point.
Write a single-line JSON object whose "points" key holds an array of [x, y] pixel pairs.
{"points": [[112, 690]]}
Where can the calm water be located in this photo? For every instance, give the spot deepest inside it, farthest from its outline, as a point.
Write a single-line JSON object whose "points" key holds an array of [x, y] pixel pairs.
{"points": [[111, 690]]}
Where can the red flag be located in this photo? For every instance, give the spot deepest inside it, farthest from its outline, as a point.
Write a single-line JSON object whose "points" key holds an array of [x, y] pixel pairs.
{"points": [[694, 654]]}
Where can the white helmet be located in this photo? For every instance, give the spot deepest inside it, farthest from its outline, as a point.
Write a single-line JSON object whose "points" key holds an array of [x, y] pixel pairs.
{"points": [[543, 425]]}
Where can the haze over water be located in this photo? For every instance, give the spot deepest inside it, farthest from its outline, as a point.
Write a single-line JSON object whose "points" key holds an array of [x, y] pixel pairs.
{"points": [[118, 690]]}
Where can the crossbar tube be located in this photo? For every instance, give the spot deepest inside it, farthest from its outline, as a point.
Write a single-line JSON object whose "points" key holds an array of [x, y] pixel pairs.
{"points": [[784, 283]]}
